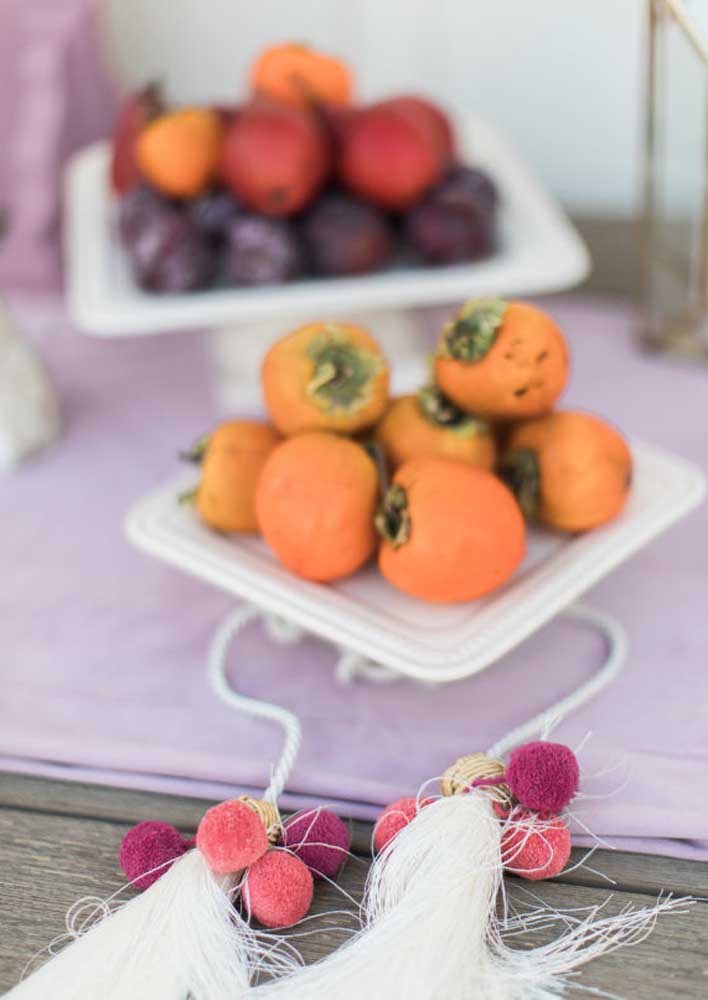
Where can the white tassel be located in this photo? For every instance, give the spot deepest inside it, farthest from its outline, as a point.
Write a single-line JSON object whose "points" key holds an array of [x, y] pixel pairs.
{"points": [[426, 908], [182, 937], [432, 929]]}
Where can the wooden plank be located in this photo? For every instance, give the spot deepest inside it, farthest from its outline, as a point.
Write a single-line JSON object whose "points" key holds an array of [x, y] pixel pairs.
{"points": [[122, 805], [49, 861], [672, 961], [642, 873], [639, 873]]}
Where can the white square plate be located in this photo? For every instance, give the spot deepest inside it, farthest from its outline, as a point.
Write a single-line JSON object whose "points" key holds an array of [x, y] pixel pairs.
{"points": [[539, 251], [424, 641]]}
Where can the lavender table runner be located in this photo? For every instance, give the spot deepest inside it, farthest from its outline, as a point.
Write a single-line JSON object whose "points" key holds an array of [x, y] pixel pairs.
{"points": [[103, 649]]}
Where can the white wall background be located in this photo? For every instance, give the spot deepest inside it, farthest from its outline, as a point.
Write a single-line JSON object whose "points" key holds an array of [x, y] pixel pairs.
{"points": [[563, 78]]}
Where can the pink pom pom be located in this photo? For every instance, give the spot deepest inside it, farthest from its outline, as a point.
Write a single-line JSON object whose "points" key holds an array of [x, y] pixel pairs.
{"points": [[278, 889], [536, 853], [149, 845], [395, 817], [543, 776], [319, 838], [231, 836]]}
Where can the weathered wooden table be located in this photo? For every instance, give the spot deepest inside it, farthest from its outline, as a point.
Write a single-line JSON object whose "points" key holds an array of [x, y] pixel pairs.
{"points": [[60, 840]]}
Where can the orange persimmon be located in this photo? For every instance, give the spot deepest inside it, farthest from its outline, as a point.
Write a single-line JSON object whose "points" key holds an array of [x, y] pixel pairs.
{"points": [[232, 458], [296, 74], [502, 360], [178, 152], [569, 470], [451, 532], [315, 503], [325, 376], [427, 424]]}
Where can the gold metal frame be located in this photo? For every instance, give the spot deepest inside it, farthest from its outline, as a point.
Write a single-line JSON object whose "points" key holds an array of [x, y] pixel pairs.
{"points": [[687, 333]]}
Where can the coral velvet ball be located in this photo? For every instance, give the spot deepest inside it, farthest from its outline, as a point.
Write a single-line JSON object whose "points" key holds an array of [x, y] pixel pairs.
{"points": [[277, 889], [536, 853], [231, 836], [543, 776], [394, 818]]}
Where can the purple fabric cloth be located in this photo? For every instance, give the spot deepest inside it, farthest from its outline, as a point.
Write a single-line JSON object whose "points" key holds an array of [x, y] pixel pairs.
{"points": [[55, 96], [103, 648]]}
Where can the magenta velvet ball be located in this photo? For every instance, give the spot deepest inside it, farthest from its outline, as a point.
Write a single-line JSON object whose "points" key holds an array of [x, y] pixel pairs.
{"points": [[543, 776], [147, 846], [319, 838]]}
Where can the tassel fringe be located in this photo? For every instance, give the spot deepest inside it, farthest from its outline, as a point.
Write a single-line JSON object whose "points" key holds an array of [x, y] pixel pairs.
{"points": [[182, 937], [432, 928]]}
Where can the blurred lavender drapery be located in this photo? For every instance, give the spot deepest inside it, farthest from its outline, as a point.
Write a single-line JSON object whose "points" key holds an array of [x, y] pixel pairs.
{"points": [[55, 96]]}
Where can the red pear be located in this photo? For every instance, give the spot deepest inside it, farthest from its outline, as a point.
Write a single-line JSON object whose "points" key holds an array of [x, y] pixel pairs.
{"points": [[431, 116], [391, 155], [275, 157]]}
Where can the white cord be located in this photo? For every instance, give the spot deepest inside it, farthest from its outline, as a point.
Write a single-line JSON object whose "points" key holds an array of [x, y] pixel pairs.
{"points": [[218, 652], [350, 664], [616, 656]]}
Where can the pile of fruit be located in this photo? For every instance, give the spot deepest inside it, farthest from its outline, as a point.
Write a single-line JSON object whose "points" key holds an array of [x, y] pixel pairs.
{"points": [[440, 484], [297, 181]]}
